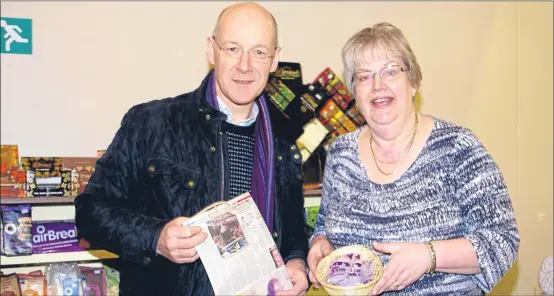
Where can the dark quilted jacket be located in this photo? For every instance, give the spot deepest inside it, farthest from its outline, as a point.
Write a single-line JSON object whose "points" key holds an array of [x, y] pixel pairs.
{"points": [[164, 162]]}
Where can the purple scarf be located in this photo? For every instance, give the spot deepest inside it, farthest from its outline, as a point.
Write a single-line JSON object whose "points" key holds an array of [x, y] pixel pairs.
{"points": [[264, 160]]}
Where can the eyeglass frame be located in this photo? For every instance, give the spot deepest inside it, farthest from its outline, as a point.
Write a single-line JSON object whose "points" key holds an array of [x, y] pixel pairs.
{"points": [[242, 50], [402, 69]]}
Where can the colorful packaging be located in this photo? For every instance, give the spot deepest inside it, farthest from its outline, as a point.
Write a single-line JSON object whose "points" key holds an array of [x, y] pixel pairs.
{"points": [[341, 102], [63, 279], [12, 179], [354, 113], [58, 183], [93, 280], [81, 169], [46, 177], [311, 215], [55, 237], [32, 285], [279, 93], [112, 279], [9, 285], [17, 223]]}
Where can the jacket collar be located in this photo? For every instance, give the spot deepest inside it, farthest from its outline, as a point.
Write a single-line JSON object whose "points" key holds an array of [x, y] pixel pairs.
{"points": [[283, 126]]}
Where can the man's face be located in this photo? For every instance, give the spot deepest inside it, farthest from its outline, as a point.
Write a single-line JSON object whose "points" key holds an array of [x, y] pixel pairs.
{"points": [[243, 53]]}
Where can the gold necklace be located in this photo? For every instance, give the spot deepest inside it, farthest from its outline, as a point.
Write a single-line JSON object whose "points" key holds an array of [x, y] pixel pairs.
{"points": [[376, 159]]}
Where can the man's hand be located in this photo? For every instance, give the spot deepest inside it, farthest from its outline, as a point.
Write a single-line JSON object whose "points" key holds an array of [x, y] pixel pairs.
{"points": [[297, 272], [321, 247], [177, 242]]}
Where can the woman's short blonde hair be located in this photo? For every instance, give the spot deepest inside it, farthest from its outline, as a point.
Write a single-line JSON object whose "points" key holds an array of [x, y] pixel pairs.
{"points": [[381, 36]]}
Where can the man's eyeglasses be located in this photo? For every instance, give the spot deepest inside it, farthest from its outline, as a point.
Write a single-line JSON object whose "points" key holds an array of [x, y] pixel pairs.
{"points": [[391, 72], [258, 54]]}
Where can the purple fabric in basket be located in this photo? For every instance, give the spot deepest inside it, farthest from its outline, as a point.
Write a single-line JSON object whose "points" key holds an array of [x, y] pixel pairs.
{"points": [[55, 237]]}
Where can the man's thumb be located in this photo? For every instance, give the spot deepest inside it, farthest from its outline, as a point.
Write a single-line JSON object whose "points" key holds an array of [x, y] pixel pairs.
{"points": [[181, 220]]}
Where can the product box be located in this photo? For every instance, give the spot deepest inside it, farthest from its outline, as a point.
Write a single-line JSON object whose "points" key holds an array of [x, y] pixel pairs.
{"points": [[12, 178], [81, 169], [291, 75], [59, 184], [42, 166], [46, 177], [55, 237], [279, 93]]}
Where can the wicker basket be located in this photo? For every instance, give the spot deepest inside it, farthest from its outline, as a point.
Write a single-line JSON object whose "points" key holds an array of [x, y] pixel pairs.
{"points": [[365, 253]]}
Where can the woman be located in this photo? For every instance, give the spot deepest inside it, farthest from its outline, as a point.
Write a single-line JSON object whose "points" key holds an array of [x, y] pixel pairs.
{"points": [[422, 192]]}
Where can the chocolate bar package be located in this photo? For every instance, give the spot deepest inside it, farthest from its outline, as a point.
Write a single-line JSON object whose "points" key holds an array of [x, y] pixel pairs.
{"points": [[310, 99], [9, 285], [42, 166], [57, 184], [93, 280], [290, 74], [276, 97], [17, 221], [46, 177], [55, 237], [346, 122], [12, 178], [30, 284], [279, 93], [81, 169], [329, 80], [355, 115]]}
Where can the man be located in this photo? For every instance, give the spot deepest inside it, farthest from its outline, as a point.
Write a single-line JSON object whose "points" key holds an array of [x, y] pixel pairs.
{"points": [[171, 158]]}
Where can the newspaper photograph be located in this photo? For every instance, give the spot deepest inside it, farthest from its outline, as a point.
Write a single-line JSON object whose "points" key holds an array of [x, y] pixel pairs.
{"points": [[239, 254]]}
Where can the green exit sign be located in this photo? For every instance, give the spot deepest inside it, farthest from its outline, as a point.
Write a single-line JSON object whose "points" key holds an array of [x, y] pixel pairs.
{"points": [[17, 35]]}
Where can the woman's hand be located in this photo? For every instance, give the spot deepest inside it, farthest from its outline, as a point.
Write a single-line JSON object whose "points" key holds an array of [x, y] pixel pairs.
{"points": [[321, 247], [408, 262]]}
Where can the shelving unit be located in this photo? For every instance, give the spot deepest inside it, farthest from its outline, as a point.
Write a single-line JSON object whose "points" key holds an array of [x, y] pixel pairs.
{"points": [[46, 208], [49, 209], [62, 208]]}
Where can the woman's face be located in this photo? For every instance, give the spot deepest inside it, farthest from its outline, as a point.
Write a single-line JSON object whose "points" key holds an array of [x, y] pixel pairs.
{"points": [[385, 99]]}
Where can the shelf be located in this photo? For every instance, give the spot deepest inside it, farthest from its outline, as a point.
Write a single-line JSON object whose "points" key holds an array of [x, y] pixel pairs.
{"points": [[37, 200], [59, 200], [29, 268], [92, 255]]}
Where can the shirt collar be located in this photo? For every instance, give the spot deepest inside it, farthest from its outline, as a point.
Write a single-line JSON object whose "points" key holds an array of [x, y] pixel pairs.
{"points": [[253, 114]]}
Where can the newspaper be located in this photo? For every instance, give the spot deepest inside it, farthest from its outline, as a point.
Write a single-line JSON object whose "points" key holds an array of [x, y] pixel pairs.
{"points": [[239, 255]]}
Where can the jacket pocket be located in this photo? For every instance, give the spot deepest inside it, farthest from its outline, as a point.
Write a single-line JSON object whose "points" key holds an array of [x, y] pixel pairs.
{"points": [[170, 181]]}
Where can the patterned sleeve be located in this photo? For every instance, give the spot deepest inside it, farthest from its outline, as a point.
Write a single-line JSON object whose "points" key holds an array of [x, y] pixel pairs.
{"points": [[326, 194], [487, 209]]}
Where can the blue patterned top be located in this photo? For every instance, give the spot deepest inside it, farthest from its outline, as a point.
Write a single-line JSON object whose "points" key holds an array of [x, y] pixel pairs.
{"points": [[453, 189]]}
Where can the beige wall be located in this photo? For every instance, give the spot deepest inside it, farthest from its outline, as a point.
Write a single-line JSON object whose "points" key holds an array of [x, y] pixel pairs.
{"points": [[487, 66]]}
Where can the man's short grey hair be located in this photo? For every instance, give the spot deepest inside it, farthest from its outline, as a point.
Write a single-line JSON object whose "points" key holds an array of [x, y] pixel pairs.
{"points": [[381, 36]]}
